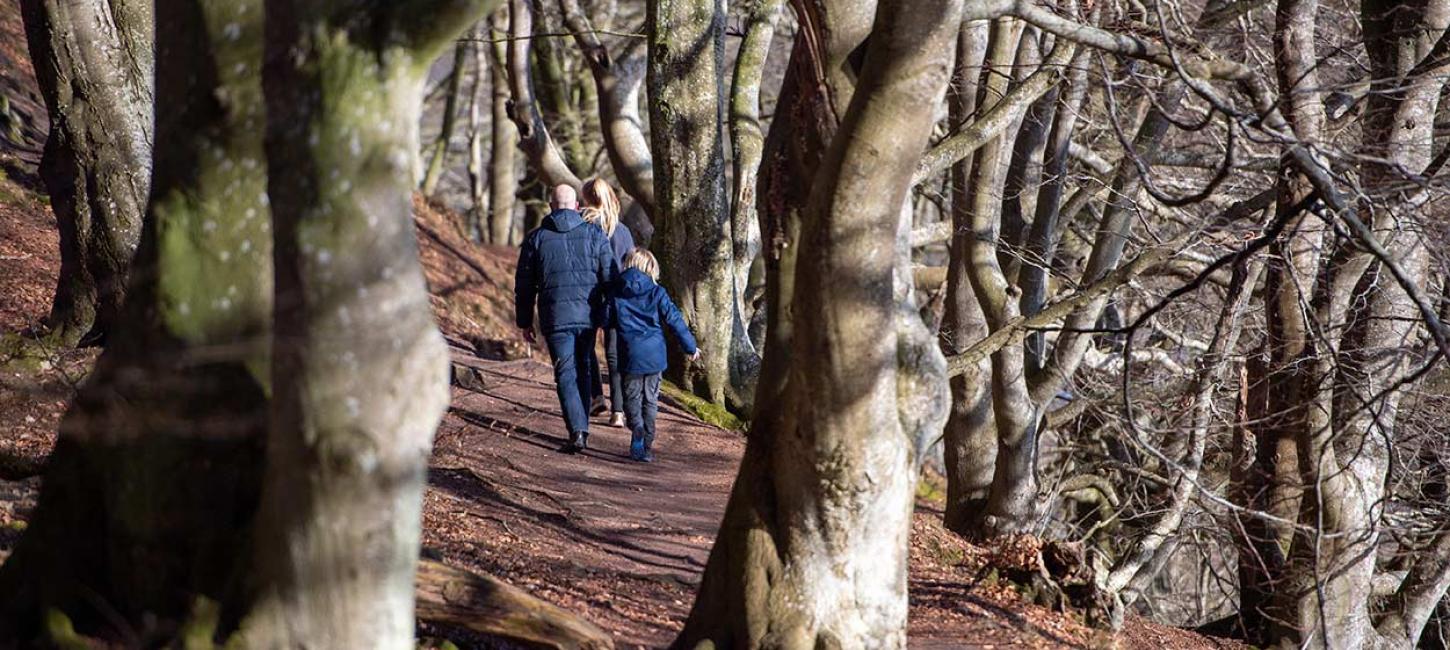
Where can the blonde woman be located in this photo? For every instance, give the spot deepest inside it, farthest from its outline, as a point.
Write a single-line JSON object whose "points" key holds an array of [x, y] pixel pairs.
{"points": [[601, 208], [641, 311]]}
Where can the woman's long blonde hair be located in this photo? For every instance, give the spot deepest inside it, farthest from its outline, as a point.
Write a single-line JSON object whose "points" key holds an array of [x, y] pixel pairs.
{"points": [[601, 205]]}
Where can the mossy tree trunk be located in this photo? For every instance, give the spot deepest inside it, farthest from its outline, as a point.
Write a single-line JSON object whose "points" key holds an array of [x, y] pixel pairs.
{"points": [[155, 475], [813, 549], [686, 79], [93, 61], [360, 371]]}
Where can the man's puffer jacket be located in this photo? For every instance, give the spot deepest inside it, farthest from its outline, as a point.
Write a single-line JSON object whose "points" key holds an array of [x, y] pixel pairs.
{"points": [[567, 267]]}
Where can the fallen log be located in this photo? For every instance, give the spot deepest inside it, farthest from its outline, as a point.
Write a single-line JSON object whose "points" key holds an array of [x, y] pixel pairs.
{"points": [[453, 597]]}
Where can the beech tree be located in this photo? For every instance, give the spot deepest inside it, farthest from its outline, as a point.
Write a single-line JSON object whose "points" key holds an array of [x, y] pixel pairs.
{"points": [[825, 489], [686, 79], [94, 64]]}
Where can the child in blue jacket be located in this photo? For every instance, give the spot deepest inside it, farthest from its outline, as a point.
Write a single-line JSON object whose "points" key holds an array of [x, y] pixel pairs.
{"points": [[641, 312]]}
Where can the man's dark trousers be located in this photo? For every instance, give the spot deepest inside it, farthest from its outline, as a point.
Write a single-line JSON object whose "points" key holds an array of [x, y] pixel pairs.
{"points": [[570, 350]]}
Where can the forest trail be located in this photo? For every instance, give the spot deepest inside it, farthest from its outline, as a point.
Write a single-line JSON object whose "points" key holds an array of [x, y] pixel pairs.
{"points": [[624, 543], [619, 541]]}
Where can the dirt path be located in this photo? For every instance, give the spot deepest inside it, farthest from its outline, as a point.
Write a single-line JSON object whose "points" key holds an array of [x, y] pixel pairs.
{"points": [[624, 543], [622, 540]]}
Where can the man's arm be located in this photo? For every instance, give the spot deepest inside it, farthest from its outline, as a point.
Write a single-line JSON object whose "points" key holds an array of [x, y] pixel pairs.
{"points": [[526, 288]]}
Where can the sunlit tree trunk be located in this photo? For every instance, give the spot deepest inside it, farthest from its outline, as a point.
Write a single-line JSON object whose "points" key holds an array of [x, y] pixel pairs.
{"points": [[477, 175], [502, 177], [438, 158], [93, 60], [812, 552], [685, 77], [970, 441]]}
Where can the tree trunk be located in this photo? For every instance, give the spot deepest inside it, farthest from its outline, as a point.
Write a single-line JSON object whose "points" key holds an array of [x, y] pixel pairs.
{"points": [[157, 466], [502, 177], [360, 371], [1363, 369], [534, 139], [93, 61], [970, 443], [617, 81], [1012, 499], [439, 157], [747, 142], [692, 222], [477, 183], [812, 552]]}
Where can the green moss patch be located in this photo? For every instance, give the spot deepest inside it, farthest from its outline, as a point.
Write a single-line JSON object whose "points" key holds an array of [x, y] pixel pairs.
{"points": [[705, 410]]}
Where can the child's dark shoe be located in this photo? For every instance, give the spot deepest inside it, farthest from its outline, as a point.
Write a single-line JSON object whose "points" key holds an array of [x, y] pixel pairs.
{"points": [[636, 448]]}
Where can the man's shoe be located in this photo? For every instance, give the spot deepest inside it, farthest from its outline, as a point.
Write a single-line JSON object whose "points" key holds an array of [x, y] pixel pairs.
{"points": [[616, 420], [583, 440], [598, 407], [577, 442]]}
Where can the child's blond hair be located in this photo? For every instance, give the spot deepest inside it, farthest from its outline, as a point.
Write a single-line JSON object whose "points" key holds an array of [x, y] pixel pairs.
{"points": [[645, 261]]}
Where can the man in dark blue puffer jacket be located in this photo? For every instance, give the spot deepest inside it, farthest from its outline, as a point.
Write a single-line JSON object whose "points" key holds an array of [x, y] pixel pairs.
{"points": [[566, 267]]}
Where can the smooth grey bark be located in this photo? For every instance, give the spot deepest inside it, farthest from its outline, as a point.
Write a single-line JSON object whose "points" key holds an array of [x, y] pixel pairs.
{"points": [[502, 183], [157, 466], [970, 440], [1042, 237], [824, 495], [747, 144], [439, 155], [747, 137], [1012, 498], [93, 62], [618, 78], [1282, 375], [686, 80], [477, 176], [1358, 375], [534, 139]]}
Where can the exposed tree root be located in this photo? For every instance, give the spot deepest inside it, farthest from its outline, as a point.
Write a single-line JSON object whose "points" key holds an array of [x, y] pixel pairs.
{"points": [[484, 604]]}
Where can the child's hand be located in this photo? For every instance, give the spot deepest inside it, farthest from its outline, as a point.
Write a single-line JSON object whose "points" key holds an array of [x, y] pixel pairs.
{"points": [[696, 355]]}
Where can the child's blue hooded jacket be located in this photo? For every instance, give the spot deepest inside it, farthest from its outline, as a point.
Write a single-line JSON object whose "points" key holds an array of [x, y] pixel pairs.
{"points": [[641, 311]]}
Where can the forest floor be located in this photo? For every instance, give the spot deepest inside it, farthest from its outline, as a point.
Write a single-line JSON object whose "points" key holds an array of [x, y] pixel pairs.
{"points": [[621, 543]]}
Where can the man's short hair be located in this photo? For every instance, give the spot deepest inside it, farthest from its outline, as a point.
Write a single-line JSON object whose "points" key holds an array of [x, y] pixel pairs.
{"points": [[564, 197]]}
